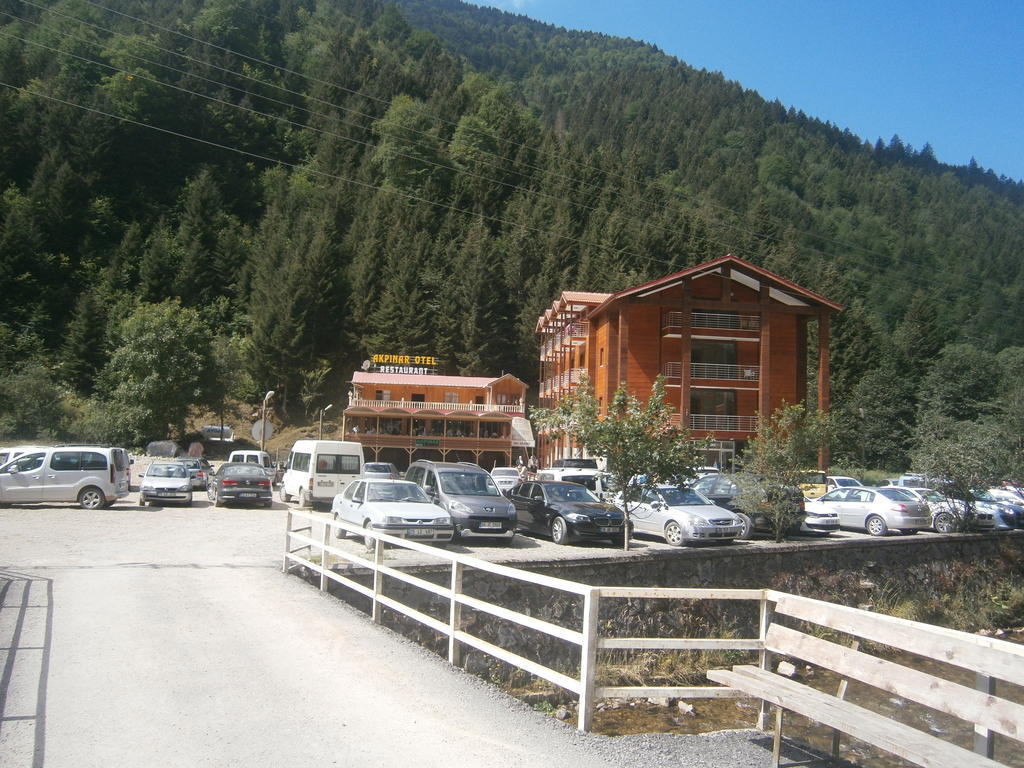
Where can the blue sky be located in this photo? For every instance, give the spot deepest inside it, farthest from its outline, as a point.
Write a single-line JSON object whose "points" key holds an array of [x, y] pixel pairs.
{"points": [[947, 73]]}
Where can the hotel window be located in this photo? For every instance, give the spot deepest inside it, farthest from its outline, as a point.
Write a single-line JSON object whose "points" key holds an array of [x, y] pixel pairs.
{"points": [[418, 398], [713, 402], [504, 398], [714, 352], [383, 394], [451, 397]]}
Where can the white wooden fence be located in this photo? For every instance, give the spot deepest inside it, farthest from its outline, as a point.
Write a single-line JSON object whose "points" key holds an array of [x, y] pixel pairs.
{"points": [[303, 548]]}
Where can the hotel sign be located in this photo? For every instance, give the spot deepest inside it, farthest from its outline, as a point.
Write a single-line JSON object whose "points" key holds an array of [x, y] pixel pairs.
{"points": [[418, 364]]}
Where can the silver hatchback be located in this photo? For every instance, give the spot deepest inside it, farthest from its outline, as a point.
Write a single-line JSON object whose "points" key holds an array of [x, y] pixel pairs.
{"points": [[875, 510]]}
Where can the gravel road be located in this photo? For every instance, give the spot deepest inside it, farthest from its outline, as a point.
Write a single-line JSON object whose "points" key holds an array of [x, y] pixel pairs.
{"points": [[169, 637]]}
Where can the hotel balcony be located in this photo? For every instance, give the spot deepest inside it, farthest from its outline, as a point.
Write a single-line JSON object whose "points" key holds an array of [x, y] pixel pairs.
{"points": [[713, 422], [571, 335], [565, 380], [672, 322], [713, 371], [412, 406]]}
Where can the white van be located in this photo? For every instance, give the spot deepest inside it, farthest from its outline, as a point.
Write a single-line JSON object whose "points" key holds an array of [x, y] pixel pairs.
{"points": [[251, 457], [318, 470], [94, 476]]}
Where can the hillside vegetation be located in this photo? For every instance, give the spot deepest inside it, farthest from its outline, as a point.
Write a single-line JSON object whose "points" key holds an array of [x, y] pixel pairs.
{"points": [[206, 200]]}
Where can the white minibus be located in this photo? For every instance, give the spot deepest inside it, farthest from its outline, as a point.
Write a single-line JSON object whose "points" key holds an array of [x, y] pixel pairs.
{"points": [[318, 470]]}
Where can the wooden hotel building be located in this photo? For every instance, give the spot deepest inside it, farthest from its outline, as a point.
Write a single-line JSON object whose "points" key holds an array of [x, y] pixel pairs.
{"points": [[403, 417], [730, 338]]}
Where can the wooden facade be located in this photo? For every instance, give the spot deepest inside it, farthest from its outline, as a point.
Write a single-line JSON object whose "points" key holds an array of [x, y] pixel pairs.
{"points": [[729, 337], [404, 417]]}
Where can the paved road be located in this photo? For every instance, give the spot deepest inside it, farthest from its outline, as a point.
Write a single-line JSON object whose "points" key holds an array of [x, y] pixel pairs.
{"points": [[169, 637]]}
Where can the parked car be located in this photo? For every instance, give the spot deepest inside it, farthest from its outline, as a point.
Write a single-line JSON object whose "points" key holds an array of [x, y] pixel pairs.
{"points": [[683, 515], [566, 511], [165, 482], [506, 478], [380, 470], [95, 476], [813, 483], [841, 481], [396, 507], [468, 495], [199, 469], [10, 454], [875, 510], [599, 483], [723, 490], [947, 512], [1011, 510], [240, 482], [318, 470], [251, 457]]}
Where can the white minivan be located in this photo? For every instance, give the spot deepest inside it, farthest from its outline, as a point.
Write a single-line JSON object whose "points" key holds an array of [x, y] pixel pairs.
{"points": [[251, 457], [92, 475], [318, 470]]}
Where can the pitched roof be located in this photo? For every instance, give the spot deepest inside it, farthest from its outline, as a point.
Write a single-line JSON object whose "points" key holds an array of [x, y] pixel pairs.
{"points": [[785, 290]]}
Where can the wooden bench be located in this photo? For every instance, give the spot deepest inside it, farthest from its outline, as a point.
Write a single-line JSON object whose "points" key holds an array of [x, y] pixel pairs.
{"points": [[985, 659]]}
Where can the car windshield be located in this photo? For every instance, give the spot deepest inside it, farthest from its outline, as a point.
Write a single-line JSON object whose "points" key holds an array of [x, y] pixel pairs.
{"points": [[681, 497], [247, 470], [396, 492], [386, 468], [569, 492], [577, 463], [897, 494], [510, 472], [167, 470], [844, 481], [468, 484], [813, 477]]}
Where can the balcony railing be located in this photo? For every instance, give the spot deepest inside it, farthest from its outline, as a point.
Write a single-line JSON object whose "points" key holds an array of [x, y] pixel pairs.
{"points": [[673, 370], [570, 335], [416, 405], [717, 423], [673, 321], [563, 380]]}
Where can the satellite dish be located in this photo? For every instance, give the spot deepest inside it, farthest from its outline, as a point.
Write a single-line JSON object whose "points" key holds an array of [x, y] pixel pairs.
{"points": [[366, 365], [265, 426]]}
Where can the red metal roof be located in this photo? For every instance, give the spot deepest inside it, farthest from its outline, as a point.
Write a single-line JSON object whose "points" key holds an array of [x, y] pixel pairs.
{"points": [[716, 264], [471, 382]]}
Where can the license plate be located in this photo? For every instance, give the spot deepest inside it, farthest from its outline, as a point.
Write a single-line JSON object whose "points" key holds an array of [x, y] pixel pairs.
{"points": [[247, 495], [166, 493], [608, 529], [490, 524], [325, 483], [418, 532]]}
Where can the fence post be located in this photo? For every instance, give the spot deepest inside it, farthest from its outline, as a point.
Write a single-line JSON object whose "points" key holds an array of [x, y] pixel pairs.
{"points": [[378, 578], [588, 659], [984, 741], [287, 540], [455, 616], [323, 556], [764, 658]]}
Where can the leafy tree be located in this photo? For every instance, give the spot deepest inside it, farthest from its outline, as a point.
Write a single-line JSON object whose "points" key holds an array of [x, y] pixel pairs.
{"points": [[159, 367], [639, 441], [786, 445], [32, 408]]}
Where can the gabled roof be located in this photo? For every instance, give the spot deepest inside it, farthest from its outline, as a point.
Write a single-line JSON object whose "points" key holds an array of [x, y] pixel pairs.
{"points": [[751, 275], [571, 303]]}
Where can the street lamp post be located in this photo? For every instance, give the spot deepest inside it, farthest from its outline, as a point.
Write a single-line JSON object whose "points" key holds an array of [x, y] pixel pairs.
{"points": [[263, 420], [320, 430]]}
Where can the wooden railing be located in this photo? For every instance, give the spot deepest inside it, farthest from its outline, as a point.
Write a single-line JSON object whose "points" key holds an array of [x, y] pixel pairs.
{"points": [[416, 405], [314, 550]]}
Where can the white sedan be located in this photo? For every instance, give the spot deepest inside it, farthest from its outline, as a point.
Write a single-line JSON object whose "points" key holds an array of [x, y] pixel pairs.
{"points": [[681, 515], [395, 507]]}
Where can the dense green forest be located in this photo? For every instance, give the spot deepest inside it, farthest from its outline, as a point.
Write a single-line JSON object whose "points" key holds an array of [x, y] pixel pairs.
{"points": [[203, 200]]}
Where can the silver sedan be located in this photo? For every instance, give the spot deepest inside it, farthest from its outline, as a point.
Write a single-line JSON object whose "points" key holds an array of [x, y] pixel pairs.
{"points": [[875, 510]]}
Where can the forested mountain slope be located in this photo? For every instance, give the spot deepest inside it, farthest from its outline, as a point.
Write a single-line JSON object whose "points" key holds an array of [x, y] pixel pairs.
{"points": [[313, 181]]}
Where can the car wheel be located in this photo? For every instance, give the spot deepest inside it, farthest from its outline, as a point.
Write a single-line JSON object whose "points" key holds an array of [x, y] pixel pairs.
{"points": [[945, 523], [303, 498], [559, 531], [368, 541], [91, 498], [142, 502], [218, 501], [674, 534], [339, 533], [876, 526], [748, 526], [285, 496]]}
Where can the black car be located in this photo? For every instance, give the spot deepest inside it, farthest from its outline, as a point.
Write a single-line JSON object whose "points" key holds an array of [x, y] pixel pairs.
{"points": [[565, 511], [240, 482]]}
